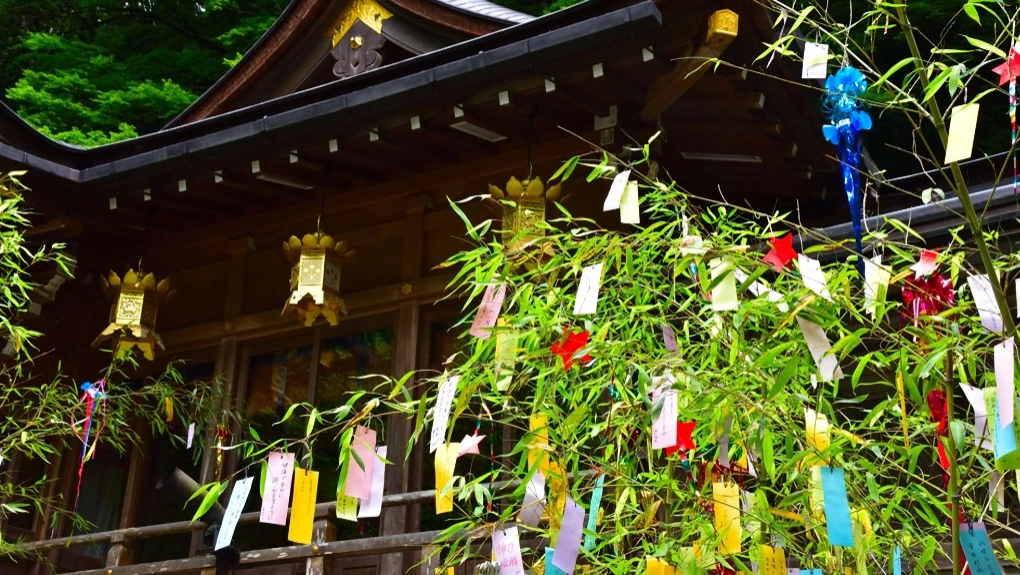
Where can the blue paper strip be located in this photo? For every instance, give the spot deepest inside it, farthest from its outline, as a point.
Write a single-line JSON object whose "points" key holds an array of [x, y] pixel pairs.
{"points": [[593, 512], [551, 569], [978, 549], [810, 572], [837, 508], [1005, 439], [897, 563]]}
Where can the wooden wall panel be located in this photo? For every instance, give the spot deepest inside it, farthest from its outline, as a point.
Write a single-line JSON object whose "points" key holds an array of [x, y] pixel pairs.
{"points": [[201, 296]]}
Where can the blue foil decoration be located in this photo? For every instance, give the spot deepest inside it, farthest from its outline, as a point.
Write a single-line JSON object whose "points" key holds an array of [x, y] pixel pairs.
{"points": [[844, 109]]}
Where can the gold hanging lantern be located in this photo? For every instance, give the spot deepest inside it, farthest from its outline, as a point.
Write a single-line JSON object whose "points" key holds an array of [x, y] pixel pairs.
{"points": [[521, 219], [315, 277], [135, 300]]}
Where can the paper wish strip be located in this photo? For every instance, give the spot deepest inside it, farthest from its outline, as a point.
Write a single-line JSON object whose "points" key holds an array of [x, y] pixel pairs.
{"points": [[773, 560], [446, 460], [837, 509], [588, 291], [593, 511], [488, 311], [984, 300], [760, 289], [302, 514], [441, 415], [630, 210], [976, 398], [664, 425], [818, 345], [726, 503], [279, 474], [569, 542], [1004, 387], [238, 497], [616, 190], [977, 548], [534, 501], [191, 434], [816, 58], [724, 294], [876, 282], [550, 568], [373, 507], [813, 276], [962, 125], [506, 546], [359, 478]]}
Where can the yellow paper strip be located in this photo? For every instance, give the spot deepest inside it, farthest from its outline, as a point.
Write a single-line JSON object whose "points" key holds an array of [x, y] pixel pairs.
{"points": [[347, 508], [726, 500], [962, 125], [816, 427], [654, 566], [302, 512], [773, 560], [446, 460], [538, 426]]}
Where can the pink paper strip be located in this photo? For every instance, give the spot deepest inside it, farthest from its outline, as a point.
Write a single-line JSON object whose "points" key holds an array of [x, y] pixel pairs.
{"points": [[506, 545], [569, 543], [279, 475], [664, 426], [488, 311], [359, 480], [1004, 392]]}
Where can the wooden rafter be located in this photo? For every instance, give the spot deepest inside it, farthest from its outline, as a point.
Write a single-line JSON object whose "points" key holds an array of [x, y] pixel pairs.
{"points": [[722, 29]]}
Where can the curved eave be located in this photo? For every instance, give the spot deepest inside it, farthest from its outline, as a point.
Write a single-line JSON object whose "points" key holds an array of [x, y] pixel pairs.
{"points": [[473, 17]]}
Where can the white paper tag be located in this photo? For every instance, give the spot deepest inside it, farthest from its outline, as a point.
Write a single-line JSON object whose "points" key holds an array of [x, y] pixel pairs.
{"points": [[1004, 387], [976, 398], [616, 191], [630, 209], [191, 434], [818, 344], [876, 278], [238, 497], [534, 501], [816, 57], [441, 417], [724, 294], [506, 546], [588, 291], [759, 289], [373, 507], [984, 300], [664, 426], [813, 276]]}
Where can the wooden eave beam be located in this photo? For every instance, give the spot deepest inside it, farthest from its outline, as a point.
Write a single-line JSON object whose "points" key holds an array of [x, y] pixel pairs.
{"points": [[722, 29]]}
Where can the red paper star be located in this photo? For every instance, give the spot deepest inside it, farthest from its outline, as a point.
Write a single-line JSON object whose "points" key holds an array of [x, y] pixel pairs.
{"points": [[782, 252], [1009, 69], [684, 441], [574, 342]]}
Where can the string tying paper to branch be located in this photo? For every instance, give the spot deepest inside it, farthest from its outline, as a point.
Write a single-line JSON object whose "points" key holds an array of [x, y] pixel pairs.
{"points": [[91, 393]]}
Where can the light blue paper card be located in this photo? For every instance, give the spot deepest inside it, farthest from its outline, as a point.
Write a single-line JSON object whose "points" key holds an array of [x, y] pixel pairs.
{"points": [[897, 566], [837, 508], [551, 569], [810, 572], [977, 548], [593, 512]]}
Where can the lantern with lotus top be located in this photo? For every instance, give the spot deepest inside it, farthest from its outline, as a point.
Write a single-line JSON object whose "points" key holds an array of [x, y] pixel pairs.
{"points": [[136, 299], [315, 277]]}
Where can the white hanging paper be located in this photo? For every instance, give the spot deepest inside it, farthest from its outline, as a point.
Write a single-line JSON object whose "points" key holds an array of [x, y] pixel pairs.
{"points": [[813, 276], [876, 279], [724, 294], [506, 546], [984, 299], [238, 497], [759, 289], [191, 434], [441, 418], [664, 426], [818, 344], [616, 191], [1004, 389], [588, 291], [373, 507], [816, 58], [534, 501], [976, 398], [488, 311], [630, 211]]}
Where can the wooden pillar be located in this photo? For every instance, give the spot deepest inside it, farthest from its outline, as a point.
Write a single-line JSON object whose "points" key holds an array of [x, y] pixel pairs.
{"points": [[398, 427], [61, 472], [429, 561], [324, 531], [121, 551]]}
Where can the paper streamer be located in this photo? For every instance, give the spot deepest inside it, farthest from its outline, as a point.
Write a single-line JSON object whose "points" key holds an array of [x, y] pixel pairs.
{"points": [[837, 509], [506, 546], [373, 507], [441, 416], [724, 294], [569, 542], [279, 474], [818, 345], [488, 311], [238, 497], [446, 460], [588, 291], [594, 508], [726, 502], [978, 549], [302, 513]]}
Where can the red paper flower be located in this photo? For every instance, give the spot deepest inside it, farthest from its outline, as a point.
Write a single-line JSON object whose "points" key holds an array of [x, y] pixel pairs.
{"points": [[1009, 69], [684, 441], [782, 252], [927, 296], [569, 348]]}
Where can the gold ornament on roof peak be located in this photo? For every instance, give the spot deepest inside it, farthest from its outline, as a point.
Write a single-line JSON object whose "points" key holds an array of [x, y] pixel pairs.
{"points": [[136, 299], [315, 276], [368, 11]]}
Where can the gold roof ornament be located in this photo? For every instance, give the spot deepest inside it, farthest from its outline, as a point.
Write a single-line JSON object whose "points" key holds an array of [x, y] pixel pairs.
{"points": [[522, 219], [135, 299], [315, 277]]}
